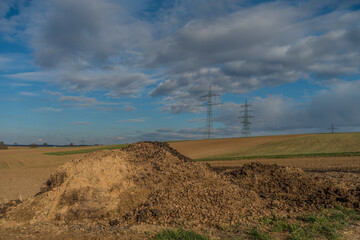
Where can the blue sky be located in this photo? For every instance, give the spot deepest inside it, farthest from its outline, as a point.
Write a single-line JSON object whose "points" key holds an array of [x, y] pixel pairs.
{"points": [[116, 71]]}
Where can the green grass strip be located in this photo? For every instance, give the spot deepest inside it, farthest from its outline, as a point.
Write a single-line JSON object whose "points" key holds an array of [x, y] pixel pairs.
{"points": [[180, 234], [302, 155], [89, 150], [256, 234], [325, 224]]}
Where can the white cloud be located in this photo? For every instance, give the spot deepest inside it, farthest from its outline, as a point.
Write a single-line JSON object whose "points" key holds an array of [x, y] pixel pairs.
{"points": [[31, 76], [87, 33], [14, 62], [28, 94], [186, 45], [258, 46], [81, 101], [118, 83], [166, 134], [134, 120], [19, 84], [47, 109], [129, 108], [82, 123], [52, 93], [94, 45], [196, 120]]}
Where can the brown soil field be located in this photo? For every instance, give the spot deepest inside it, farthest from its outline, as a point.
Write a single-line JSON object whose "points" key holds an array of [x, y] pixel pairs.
{"points": [[216, 147], [25, 157], [22, 183], [161, 188], [23, 170]]}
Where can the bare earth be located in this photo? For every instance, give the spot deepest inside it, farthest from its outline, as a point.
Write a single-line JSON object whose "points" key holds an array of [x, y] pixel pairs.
{"points": [[23, 171], [318, 164], [22, 183], [345, 171]]}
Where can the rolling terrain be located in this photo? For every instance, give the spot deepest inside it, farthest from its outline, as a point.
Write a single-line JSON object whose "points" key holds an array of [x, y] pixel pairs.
{"points": [[310, 144], [217, 147], [312, 152]]}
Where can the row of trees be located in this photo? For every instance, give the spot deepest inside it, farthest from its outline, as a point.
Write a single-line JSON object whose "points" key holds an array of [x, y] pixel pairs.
{"points": [[33, 145]]}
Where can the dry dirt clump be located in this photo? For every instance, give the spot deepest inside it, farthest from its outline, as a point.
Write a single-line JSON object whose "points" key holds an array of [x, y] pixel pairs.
{"points": [[292, 189], [144, 183]]}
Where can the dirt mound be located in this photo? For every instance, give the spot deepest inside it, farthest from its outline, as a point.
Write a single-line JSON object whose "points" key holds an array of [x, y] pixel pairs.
{"points": [[291, 188], [146, 182]]}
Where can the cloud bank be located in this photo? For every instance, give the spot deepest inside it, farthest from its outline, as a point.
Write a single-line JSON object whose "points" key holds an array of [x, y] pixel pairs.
{"points": [[171, 51]]}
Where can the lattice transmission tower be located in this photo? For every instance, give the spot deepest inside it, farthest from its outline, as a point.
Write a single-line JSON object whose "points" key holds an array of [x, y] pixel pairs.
{"points": [[209, 100], [332, 129], [246, 119]]}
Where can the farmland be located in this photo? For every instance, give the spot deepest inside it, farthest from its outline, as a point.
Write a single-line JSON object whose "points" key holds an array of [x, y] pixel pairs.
{"points": [[23, 170], [331, 157], [272, 146]]}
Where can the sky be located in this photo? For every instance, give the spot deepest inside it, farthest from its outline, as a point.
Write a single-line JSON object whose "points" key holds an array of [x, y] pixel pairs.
{"points": [[119, 71]]}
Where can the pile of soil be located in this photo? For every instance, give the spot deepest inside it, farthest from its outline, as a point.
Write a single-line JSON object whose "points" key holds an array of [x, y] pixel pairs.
{"points": [[144, 183], [292, 189], [149, 182]]}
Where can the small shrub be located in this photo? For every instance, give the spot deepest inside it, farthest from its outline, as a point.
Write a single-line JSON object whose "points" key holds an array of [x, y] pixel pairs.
{"points": [[3, 146]]}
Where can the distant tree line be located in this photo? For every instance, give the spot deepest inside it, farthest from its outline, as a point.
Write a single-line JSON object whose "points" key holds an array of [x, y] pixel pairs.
{"points": [[3, 146], [33, 145]]}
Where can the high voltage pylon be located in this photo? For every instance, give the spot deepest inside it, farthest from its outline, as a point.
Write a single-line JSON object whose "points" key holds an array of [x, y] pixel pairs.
{"points": [[246, 120], [209, 100], [332, 129]]}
